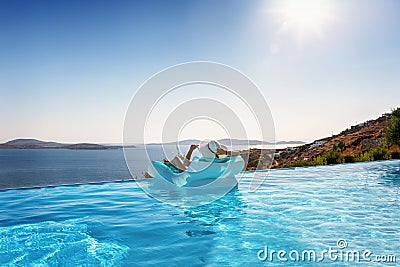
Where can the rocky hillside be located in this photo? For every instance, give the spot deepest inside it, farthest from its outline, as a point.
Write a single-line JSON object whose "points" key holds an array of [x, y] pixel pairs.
{"points": [[354, 141]]}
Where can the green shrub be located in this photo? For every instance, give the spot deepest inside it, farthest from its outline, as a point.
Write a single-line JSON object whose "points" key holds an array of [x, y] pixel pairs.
{"points": [[341, 145], [393, 128], [349, 159], [396, 112], [395, 155], [297, 164], [319, 160], [333, 157], [367, 156], [380, 153]]}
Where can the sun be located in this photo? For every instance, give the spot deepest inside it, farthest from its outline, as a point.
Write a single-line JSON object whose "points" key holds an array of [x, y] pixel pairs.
{"points": [[305, 13], [303, 16]]}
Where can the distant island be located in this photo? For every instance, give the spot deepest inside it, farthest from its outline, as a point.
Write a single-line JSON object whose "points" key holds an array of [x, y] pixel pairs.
{"points": [[234, 142], [38, 144]]}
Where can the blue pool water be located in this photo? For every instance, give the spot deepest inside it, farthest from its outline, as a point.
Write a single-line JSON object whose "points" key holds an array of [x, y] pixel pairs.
{"points": [[116, 224]]}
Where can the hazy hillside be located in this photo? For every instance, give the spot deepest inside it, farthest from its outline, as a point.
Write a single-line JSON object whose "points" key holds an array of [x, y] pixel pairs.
{"points": [[234, 142], [38, 144], [32, 142]]}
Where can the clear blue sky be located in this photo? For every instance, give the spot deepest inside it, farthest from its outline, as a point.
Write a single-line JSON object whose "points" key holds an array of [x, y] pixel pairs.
{"points": [[68, 69]]}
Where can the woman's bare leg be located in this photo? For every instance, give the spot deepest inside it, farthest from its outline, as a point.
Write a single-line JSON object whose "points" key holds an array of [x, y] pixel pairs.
{"points": [[183, 165], [179, 163]]}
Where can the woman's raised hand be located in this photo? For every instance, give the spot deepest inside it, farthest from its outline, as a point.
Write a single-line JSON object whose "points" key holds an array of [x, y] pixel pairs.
{"points": [[193, 147]]}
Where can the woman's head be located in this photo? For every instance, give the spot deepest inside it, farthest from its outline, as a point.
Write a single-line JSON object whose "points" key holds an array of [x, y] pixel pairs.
{"points": [[222, 150], [211, 149]]}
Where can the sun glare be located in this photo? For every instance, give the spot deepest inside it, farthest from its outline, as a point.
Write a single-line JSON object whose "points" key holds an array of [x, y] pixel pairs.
{"points": [[309, 13], [303, 16]]}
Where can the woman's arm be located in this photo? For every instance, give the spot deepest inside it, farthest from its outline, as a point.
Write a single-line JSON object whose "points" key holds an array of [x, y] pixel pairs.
{"points": [[236, 153], [232, 153]]}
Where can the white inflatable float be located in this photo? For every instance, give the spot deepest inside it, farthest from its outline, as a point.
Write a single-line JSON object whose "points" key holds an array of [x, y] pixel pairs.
{"points": [[201, 171]]}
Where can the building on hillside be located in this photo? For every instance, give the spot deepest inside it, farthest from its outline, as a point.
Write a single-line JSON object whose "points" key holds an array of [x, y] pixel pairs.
{"points": [[317, 144]]}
